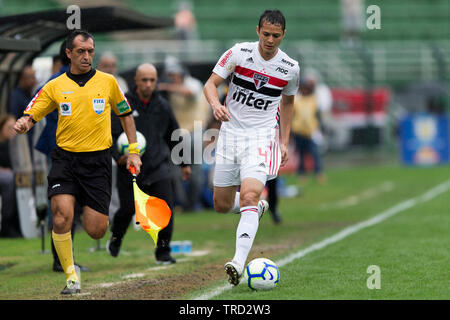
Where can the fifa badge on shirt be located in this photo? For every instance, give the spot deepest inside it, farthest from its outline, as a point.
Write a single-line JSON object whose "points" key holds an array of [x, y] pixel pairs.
{"points": [[99, 105], [65, 109]]}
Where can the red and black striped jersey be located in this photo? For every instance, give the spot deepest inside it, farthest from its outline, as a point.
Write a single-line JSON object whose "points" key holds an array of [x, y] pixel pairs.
{"points": [[256, 85]]}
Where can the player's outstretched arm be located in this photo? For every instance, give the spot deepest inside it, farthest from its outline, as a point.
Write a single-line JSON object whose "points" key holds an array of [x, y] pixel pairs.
{"points": [[220, 112]]}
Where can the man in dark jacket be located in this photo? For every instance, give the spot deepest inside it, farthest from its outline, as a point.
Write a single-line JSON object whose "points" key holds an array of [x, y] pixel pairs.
{"points": [[154, 118]]}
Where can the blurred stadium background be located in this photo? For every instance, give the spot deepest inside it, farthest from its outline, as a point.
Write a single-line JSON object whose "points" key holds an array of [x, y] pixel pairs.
{"points": [[376, 77]]}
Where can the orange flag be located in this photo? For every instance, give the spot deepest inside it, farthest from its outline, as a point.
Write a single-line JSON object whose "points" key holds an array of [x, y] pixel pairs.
{"points": [[152, 214]]}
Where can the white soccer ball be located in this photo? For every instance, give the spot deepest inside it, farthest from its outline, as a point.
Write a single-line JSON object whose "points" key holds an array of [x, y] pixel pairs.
{"points": [[261, 274], [122, 143]]}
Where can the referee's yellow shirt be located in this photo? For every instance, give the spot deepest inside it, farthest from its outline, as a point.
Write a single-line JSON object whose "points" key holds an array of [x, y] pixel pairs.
{"points": [[84, 122]]}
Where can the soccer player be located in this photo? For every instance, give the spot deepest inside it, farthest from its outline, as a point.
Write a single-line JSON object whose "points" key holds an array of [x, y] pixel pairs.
{"points": [[251, 146], [81, 161]]}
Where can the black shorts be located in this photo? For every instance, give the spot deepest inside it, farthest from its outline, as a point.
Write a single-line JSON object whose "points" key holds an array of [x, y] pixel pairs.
{"points": [[85, 175]]}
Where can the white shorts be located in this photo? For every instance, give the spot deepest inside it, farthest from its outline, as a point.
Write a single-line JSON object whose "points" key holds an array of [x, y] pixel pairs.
{"points": [[246, 154]]}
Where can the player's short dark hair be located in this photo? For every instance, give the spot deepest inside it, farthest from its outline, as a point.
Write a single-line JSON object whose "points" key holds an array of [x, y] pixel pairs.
{"points": [[69, 40], [273, 17]]}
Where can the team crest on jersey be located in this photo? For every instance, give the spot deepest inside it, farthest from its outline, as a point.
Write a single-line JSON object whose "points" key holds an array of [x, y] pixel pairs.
{"points": [[260, 80], [65, 109], [98, 105]]}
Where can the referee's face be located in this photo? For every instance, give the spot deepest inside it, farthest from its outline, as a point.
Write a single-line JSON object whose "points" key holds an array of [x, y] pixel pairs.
{"points": [[270, 36], [81, 55]]}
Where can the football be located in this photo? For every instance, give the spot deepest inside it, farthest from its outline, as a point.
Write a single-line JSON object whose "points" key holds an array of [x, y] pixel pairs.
{"points": [[122, 143], [261, 274]]}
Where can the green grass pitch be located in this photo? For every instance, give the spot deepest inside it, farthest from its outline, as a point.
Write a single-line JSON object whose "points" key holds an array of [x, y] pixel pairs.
{"points": [[410, 248]]}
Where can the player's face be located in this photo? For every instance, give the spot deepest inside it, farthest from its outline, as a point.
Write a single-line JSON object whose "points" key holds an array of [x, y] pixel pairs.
{"points": [[81, 55], [270, 37], [146, 82]]}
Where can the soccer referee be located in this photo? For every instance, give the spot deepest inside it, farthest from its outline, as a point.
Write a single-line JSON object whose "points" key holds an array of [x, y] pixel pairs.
{"points": [[81, 162]]}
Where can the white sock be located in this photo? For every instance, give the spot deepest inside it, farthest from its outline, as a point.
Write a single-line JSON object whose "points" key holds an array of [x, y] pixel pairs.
{"points": [[237, 206], [245, 233]]}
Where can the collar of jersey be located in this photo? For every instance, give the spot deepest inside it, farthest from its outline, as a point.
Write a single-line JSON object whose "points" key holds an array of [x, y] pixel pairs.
{"points": [[81, 79]]}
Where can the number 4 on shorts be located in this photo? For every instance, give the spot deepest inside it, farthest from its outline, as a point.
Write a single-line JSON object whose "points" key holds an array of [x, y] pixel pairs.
{"points": [[263, 154]]}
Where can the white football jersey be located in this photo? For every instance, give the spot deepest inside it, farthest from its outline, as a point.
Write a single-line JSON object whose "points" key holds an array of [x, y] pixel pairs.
{"points": [[256, 85]]}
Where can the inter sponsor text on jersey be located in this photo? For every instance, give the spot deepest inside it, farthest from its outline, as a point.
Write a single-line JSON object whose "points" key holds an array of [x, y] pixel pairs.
{"points": [[256, 85]]}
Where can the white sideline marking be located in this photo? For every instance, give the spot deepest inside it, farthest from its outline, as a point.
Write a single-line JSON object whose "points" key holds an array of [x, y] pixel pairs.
{"points": [[82, 294], [356, 199], [106, 285], [198, 253], [407, 204], [160, 267], [133, 276]]}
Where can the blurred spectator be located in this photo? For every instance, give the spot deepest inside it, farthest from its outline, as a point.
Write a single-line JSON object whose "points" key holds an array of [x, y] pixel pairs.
{"points": [[9, 214], [108, 64], [272, 199], [324, 104], [21, 96], [306, 128], [185, 95], [47, 140], [436, 105], [185, 22], [22, 93], [57, 63], [352, 14]]}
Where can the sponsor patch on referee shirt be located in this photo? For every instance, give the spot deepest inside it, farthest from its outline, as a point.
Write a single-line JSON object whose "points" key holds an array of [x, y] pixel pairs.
{"points": [[123, 107], [65, 109]]}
